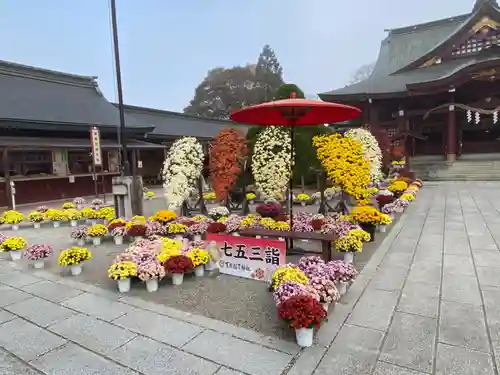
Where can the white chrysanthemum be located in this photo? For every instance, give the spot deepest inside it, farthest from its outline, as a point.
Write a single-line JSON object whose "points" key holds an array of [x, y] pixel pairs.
{"points": [[271, 161], [371, 149], [181, 170]]}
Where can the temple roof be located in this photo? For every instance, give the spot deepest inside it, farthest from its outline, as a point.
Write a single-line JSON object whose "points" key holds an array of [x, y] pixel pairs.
{"points": [[29, 94], [174, 124], [405, 49]]}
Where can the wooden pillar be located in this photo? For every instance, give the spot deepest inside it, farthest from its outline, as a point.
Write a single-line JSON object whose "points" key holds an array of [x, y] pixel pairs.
{"points": [[451, 139], [6, 174]]}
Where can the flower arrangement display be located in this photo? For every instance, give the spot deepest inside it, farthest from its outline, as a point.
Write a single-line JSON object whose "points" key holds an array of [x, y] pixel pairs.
{"points": [[272, 161], [164, 216], [106, 213], [398, 186], [38, 254], [251, 197], [97, 203], [119, 222], [302, 313], [289, 289], [79, 234], [302, 222], [303, 197], [177, 266], [73, 258], [199, 257], [176, 228], [136, 229], [325, 288], [151, 272], [197, 230], [79, 202], [181, 169], [345, 164], [13, 217], [169, 249], [216, 227], [35, 217], [149, 194], [73, 214], [407, 196], [269, 209], [371, 150], [288, 272], [122, 270], [366, 215], [341, 271], [68, 205], [97, 230], [89, 213], [215, 213], [227, 154], [209, 196], [118, 232], [42, 209], [56, 216], [154, 228], [13, 244], [349, 244], [138, 219]]}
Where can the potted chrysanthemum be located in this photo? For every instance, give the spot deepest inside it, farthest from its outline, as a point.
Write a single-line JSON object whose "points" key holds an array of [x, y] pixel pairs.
{"points": [[79, 202], [216, 213], [326, 289], [177, 229], [251, 197], [151, 272], [68, 206], [90, 215], [303, 199], [209, 196], [341, 273], [149, 195], [177, 266], [43, 209], [15, 247], [36, 218], [56, 216], [38, 253], [97, 203], [303, 313], [136, 230], [79, 234], [199, 257], [97, 232], [73, 258], [118, 233], [122, 272], [73, 216], [14, 218]]}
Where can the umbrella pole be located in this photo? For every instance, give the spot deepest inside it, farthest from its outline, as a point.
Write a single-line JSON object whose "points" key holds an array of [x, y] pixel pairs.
{"points": [[290, 186]]}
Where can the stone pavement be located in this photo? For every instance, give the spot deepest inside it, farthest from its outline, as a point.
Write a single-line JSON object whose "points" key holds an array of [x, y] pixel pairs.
{"points": [[424, 304]]}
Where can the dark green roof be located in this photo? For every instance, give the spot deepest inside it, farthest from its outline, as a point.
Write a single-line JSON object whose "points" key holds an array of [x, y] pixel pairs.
{"points": [[173, 124], [404, 49], [29, 94]]}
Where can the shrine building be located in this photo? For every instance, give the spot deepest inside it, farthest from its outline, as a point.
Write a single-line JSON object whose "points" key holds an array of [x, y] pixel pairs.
{"points": [[436, 86]]}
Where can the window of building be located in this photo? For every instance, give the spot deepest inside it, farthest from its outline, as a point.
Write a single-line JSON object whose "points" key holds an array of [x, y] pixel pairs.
{"points": [[79, 162], [28, 163], [484, 38]]}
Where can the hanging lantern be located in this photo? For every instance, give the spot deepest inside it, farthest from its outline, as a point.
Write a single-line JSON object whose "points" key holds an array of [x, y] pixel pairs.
{"points": [[469, 115], [495, 117], [477, 117]]}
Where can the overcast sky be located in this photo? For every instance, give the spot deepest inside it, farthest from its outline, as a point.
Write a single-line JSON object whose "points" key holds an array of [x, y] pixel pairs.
{"points": [[167, 46]]}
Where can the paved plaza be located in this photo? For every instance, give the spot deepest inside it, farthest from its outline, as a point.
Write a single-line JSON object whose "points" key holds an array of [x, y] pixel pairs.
{"points": [[426, 303]]}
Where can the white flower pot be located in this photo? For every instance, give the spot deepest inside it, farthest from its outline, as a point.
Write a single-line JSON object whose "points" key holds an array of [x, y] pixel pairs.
{"points": [[250, 201], [79, 207], [80, 242], [75, 269], [15, 226], [118, 240], [177, 278], [39, 263], [199, 271], [93, 221], [137, 238], [152, 285], [124, 285], [382, 228], [325, 306], [74, 223], [304, 337], [96, 241], [211, 266], [342, 288], [391, 215], [88, 221], [235, 234], [15, 255], [56, 224], [303, 204], [179, 237], [348, 257], [197, 237], [36, 225]]}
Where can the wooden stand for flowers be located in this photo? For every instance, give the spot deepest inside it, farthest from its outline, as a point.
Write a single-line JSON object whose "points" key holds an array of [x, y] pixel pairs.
{"points": [[199, 207]]}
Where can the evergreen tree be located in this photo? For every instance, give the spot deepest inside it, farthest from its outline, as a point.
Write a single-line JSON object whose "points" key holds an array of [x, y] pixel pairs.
{"points": [[268, 74]]}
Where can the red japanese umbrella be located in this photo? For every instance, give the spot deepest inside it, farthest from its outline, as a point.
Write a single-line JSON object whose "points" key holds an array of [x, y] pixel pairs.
{"points": [[294, 112]]}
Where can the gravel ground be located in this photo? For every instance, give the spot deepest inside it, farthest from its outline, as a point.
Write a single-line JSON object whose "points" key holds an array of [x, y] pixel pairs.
{"points": [[238, 301]]}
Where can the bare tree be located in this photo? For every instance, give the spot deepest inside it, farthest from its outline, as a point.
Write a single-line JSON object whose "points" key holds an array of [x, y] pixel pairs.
{"points": [[363, 72]]}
